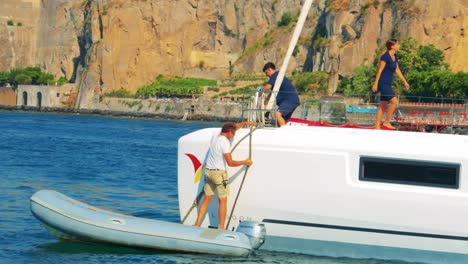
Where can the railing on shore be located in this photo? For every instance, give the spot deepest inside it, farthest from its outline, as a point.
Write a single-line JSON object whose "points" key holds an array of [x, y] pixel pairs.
{"points": [[433, 116], [422, 114]]}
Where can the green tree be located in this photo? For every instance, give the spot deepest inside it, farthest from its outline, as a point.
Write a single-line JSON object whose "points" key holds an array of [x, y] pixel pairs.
{"points": [[4, 78], [432, 58], [311, 82], [412, 57], [13, 73], [360, 83], [459, 83], [22, 78], [34, 73], [346, 83], [45, 78], [62, 80], [28, 75], [408, 58], [437, 83]]}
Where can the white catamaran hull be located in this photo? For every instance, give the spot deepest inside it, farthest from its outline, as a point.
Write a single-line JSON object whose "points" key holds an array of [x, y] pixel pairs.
{"points": [[319, 191]]}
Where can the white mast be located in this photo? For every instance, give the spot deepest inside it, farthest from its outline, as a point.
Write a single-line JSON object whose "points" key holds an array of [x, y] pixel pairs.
{"points": [[292, 45]]}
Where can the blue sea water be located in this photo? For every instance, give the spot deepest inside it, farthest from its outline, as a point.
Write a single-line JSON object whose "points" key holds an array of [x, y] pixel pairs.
{"points": [[126, 165]]}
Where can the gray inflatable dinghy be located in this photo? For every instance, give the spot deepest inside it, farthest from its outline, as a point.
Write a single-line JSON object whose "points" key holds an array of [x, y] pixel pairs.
{"points": [[70, 220]]}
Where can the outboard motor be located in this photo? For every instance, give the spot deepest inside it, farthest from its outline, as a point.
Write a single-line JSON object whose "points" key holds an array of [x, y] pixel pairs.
{"points": [[255, 231]]}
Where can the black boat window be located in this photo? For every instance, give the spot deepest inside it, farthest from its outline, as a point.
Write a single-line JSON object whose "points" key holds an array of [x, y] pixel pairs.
{"points": [[412, 172]]}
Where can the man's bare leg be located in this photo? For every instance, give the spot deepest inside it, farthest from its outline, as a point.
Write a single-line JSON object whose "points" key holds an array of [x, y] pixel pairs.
{"points": [[222, 211], [202, 211], [280, 119]]}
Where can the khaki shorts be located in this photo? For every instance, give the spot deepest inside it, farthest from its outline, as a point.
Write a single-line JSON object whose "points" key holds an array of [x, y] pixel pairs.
{"points": [[216, 181]]}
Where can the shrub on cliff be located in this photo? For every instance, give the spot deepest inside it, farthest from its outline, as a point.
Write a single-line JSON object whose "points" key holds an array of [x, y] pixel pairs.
{"points": [[438, 83], [121, 93], [359, 84], [286, 18], [174, 86], [4, 78], [312, 83], [28, 75]]}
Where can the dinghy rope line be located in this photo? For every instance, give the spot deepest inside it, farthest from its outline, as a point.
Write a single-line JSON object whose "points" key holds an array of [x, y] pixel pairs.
{"points": [[200, 195]]}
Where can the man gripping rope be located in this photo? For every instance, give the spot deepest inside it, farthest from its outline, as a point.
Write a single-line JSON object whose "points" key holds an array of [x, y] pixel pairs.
{"points": [[216, 178]]}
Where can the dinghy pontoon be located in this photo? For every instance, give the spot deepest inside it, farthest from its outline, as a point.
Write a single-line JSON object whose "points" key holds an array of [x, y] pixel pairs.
{"points": [[71, 220]]}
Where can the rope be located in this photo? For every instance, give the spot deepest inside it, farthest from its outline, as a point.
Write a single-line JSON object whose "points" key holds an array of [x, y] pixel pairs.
{"points": [[243, 178], [195, 202], [200, 195]]}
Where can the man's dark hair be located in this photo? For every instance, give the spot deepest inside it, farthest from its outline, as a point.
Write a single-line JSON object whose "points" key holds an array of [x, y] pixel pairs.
{"points": [[269, 65], [390, 43], [228, 127]]}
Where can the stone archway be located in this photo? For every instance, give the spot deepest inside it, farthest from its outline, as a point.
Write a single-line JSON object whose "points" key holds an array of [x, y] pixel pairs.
{"points": [[39, 99], [25, 98]]}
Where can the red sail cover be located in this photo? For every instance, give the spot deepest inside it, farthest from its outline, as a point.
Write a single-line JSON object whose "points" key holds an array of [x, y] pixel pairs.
{"points": [[303, 122]]}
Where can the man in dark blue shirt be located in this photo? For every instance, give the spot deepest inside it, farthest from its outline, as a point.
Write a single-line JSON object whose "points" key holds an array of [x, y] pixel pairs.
{"points": [[286, 99]]}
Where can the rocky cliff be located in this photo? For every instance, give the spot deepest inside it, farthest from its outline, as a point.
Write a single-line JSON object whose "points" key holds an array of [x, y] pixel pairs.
{"points": [[104, 45]]}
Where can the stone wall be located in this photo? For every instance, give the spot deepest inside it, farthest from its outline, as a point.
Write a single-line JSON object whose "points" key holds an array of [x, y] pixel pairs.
{"points": [[198, 108], [45, 95]]}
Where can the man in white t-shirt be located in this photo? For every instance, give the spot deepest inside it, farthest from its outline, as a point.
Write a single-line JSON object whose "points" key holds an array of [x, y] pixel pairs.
{"points": [[216, 178]]}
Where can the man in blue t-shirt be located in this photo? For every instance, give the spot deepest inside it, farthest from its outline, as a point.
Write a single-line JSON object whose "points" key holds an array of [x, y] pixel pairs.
{"points": [[286, 99]]}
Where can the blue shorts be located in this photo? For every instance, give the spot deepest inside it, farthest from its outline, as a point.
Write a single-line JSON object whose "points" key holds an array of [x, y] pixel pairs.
{"points": [[386, 92], [287, 110]]}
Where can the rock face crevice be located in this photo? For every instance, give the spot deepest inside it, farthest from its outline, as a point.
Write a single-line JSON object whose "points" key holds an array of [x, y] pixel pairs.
{"points": [[84, 39], [105, 45], [90, 67]]}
